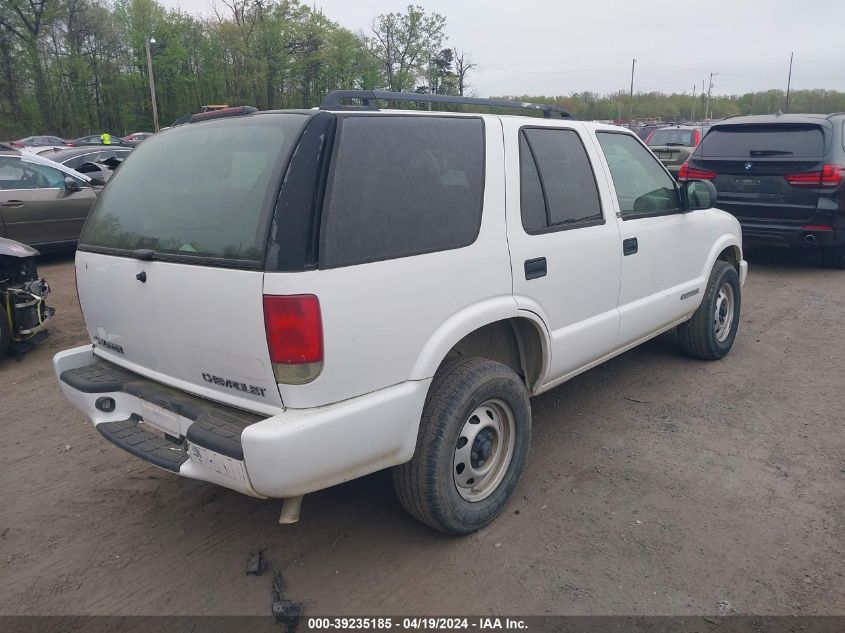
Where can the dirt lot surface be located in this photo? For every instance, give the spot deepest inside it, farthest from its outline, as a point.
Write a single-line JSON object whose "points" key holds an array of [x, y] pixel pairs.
{"points": [[655, 485]]}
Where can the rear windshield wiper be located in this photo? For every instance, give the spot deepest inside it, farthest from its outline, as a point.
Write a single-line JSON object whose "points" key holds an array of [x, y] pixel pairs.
{"points": [[768, 152]]}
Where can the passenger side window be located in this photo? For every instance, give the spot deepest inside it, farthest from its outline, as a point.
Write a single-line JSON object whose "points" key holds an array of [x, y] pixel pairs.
{"points": [[16, 174], [557, 185], [642, 185], [402, 185]]}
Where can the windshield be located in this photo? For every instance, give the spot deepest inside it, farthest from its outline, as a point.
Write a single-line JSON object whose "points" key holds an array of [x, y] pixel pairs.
{"points": [[682, 138], [760, 141], [201, 191]]}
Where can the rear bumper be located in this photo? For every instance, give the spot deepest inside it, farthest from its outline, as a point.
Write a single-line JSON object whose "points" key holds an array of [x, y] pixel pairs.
{"points": [[790, 235], [292, 453]]}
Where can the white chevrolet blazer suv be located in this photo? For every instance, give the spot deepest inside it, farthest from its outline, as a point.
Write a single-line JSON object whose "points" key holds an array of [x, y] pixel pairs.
{"points": [[279, 302]]}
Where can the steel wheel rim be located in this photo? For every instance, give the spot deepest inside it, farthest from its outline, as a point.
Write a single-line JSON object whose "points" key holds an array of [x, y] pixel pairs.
{"points": [[723, 316], [484, 450]]}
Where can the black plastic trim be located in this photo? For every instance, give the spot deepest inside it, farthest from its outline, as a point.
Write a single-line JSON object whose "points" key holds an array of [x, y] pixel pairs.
{"points": [[133, 438], [215, 426], [535, 268], [294, 229]]}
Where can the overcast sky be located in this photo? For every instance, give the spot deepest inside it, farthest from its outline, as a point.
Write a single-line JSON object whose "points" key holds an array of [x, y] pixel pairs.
{"points": [[559, 47]]}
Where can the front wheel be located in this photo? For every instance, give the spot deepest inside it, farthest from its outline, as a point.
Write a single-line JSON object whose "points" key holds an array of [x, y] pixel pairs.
{"points": [[711, 331], [471, 447]]}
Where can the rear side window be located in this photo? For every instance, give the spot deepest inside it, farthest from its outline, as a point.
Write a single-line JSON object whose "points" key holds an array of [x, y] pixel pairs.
{"points": [[761, 141], [557, 185], [402, 185], [199, 192]]}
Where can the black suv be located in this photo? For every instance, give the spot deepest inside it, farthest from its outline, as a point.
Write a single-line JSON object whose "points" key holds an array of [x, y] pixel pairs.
{"points": [[782, 176]]}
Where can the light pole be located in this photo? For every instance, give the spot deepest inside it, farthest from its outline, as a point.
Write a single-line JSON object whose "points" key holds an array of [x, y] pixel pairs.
{"points": [[147, 42], [709, 88]]}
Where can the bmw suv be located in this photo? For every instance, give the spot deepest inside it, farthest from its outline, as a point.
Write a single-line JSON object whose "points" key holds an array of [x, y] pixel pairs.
{"points": [[782, 176]]}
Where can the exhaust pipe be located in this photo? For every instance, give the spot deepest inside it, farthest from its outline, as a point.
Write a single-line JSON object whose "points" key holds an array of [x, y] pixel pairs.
{"points": [[810, 239]]}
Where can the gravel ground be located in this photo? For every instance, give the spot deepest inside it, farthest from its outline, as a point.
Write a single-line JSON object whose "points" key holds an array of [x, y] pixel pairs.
{"points": [[656, 484]]}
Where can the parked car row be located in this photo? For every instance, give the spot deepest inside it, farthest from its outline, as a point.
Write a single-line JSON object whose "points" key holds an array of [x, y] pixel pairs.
{"points": [[92, 139]]}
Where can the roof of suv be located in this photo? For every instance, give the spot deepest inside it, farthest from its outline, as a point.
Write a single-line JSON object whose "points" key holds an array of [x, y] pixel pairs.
{"points": [[778, 118]]}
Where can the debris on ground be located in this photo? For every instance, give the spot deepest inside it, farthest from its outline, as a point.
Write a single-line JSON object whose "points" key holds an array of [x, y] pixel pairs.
{"points": [[725, 608], [256, 563], [287, 612]]}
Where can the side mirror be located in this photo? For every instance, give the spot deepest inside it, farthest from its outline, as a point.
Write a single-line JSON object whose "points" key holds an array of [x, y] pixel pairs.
{"points": [[698, 194], [72, 185]]}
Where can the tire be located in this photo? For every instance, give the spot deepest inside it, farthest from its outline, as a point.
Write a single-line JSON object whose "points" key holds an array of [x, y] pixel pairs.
{"points": [[472, 403], [708, 335], [834, 256], [5, 332]]}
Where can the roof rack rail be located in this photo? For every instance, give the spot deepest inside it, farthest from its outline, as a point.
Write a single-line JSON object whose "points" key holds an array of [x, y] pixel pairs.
{"points": [[334, 101]]}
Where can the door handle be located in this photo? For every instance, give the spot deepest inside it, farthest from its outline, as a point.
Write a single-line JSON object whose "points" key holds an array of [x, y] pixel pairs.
{"points": [[630, 246], [13, 204], [535, 268]]}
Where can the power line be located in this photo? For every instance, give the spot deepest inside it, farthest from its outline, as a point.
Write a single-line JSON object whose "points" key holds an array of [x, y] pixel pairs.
{"points": [[554, 72]]}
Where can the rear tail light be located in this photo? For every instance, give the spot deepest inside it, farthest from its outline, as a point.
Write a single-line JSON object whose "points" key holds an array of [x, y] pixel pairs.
{"points": [[693, 173], [816, 227], [696, 138], [294, 327], [829, 176]]}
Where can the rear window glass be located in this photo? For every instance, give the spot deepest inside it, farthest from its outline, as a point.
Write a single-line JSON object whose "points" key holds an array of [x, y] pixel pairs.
{"points": [[403, 185], [204, 191], [761, 141], [681, 138]]}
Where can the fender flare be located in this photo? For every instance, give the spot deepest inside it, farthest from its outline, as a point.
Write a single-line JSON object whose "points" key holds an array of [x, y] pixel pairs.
{"points": [[720, 245], [466, 321]]}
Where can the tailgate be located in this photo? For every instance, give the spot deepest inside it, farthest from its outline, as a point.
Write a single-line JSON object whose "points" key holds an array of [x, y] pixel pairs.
{"points": [[196, 328], [753, 161], [757, 189]]}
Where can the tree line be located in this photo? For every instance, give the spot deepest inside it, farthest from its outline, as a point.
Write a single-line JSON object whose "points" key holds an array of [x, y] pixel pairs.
{"points": [[73, 67], [621, 107]]}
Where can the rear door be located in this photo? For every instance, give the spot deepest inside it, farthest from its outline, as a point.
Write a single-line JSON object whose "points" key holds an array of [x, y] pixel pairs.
{"points": [[170, 267], [564, 241], [753, 164]]}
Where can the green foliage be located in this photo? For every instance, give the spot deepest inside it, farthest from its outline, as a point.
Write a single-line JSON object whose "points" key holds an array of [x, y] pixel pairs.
{"points": [[73, 67]]}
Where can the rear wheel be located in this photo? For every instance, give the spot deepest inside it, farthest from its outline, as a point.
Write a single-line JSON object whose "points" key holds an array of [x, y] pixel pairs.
{"points": [[471, 447], [834, 256], [5, 332], [711, 331]]}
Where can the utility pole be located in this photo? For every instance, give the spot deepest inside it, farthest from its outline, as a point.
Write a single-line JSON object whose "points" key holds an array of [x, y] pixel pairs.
{"points": [[789, 82], [631, 117], [709, 88], [692, 116], [147, 42]]}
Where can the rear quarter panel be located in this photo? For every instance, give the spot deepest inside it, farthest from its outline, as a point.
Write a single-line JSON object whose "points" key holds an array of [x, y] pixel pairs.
{"points": [[390, 321]]}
